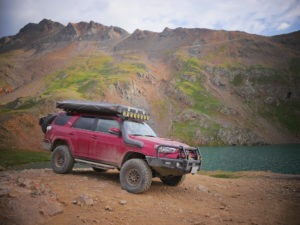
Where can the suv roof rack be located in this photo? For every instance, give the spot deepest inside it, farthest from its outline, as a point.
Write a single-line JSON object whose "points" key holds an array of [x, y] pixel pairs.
{"points": [[103, 108]]}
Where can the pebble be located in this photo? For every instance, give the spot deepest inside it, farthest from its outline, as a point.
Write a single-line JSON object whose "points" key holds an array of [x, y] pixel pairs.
{"points": [[108, 208], [123, 202], [24, 182], [83, 200], [235, 196], [4, 192], [202, 188]]}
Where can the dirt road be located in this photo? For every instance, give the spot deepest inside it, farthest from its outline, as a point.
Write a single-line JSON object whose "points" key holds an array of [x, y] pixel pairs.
{"points": [[87, 197]]}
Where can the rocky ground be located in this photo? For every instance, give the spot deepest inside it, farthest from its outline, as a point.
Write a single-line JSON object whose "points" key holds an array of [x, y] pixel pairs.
{"points": [[86, 197]]}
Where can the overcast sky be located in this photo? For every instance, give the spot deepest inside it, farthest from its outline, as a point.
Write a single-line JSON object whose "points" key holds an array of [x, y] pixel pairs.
{"points": [[264, 17]]}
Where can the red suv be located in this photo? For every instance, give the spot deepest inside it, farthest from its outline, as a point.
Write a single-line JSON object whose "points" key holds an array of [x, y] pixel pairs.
{"points": [[109, 136]]}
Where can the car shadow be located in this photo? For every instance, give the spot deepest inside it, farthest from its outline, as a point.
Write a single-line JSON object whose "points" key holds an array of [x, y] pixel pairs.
{"points": [[110, 175]]}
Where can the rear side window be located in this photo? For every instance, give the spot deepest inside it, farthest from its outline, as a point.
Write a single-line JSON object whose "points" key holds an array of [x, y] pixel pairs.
{"points": [[85, 123], [62, 119], [103, 125]]}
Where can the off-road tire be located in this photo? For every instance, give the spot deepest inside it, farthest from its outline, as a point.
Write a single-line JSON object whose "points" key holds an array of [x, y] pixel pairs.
{"points": [[99, 170], [135, 176], [62, 160], [172, 180]]}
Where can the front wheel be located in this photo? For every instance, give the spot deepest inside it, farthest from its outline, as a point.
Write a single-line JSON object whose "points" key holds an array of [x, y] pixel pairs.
{"points": [[135, 176], [172, 180], [62, 160]]}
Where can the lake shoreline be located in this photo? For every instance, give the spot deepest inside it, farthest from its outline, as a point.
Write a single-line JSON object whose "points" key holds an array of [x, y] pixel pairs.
{"points": [[282, 159]]}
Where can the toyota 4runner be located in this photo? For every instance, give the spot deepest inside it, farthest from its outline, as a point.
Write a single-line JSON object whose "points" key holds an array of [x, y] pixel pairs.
{"points": [[109, 136]]}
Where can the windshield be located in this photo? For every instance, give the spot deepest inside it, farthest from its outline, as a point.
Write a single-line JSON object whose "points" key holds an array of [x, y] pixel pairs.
{"points": [[138, 129]]}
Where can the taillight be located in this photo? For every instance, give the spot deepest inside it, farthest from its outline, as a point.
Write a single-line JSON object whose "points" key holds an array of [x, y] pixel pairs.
{"points": [[48, 128]]}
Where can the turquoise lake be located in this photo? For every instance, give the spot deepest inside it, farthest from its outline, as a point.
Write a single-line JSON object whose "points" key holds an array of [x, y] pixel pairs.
{"points": [[275, 158]]}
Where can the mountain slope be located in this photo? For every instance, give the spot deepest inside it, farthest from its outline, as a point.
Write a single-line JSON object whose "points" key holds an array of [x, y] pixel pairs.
{"points": [[201, 86]]}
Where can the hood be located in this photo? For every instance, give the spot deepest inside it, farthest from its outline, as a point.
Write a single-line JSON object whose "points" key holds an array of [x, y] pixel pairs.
{"points": [[158, 141]]}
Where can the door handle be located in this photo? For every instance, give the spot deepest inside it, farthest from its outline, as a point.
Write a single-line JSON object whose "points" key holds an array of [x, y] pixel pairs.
{"points": [[71, 134], [93, 136]]}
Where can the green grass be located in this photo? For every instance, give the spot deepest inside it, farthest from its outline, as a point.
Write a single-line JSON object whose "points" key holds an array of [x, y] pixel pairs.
{"points": [[203, 101], [10, 158], [295, 66], [22, 104], [271, 78], [92, 76], [160, 107], [191, 65], [87, 86], [286, 113], [238, 80], [295, 69], [264, 74], [186, 131], [130, 67]]}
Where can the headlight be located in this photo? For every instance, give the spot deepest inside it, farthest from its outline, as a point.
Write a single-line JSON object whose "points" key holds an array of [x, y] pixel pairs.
{"points": [[163, 149]]}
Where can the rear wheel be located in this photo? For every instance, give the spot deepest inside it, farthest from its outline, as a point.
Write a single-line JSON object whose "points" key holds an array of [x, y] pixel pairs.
{"points": [[135, 176], [172, 180], [62, 160]]}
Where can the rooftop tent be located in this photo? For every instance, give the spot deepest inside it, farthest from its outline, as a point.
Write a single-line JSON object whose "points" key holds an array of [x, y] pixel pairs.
{"points": [[103, 108]]}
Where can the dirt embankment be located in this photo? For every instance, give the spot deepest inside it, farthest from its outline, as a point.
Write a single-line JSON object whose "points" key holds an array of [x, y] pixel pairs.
{"points": [[87, 197]]}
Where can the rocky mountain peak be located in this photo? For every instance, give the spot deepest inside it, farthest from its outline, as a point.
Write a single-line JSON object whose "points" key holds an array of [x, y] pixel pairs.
{"points": [[31, 33], [35, 35], [49, 24], [166, 32], [42, 28], [290, 40], [141, 34]]}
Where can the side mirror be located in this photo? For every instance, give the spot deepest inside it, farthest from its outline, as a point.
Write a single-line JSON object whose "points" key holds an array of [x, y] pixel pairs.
{"points": [[115, 131]]}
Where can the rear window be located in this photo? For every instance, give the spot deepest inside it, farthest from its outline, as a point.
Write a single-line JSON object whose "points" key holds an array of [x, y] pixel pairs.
{"points": [[103, 125], [85, 123], [62, 119]]}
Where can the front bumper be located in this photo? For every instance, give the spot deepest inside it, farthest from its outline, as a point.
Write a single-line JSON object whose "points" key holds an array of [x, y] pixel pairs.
{"points": [[176, 167]]}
